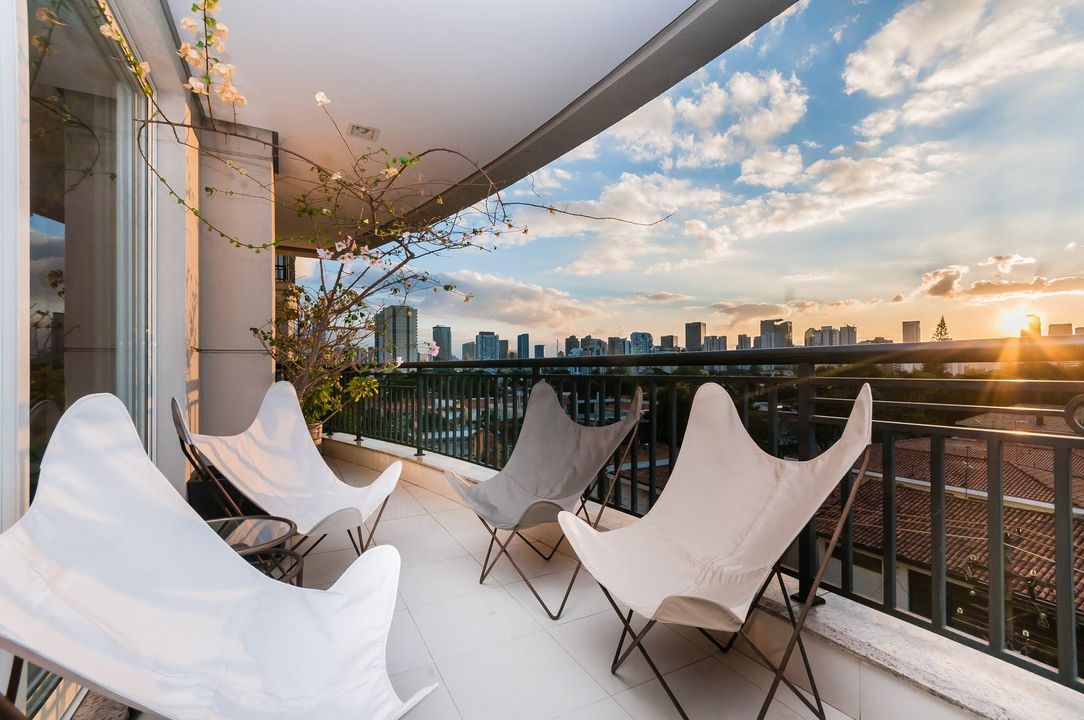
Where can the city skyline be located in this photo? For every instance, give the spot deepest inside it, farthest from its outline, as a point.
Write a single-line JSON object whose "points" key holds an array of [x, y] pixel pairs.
{"points": [[825, 171]]}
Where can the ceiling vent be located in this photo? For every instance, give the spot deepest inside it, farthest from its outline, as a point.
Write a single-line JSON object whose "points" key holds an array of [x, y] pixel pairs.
{"points": [[364, 132]]}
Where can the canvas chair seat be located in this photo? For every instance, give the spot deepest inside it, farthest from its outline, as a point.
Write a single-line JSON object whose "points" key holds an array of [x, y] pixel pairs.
{"points": [[713, 539], [276, 465], [113, 581]]}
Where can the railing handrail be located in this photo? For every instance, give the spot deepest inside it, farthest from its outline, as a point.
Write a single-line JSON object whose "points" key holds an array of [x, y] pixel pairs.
{"points": [[990, 350]]}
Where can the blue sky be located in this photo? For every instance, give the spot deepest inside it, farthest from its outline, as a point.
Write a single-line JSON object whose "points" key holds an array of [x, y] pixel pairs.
{"points": [[851, 162]]}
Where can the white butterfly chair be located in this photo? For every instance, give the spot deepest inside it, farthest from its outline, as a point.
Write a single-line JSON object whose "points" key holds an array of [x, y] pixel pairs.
{"points": [[706, 551], [113, 581], [276, 465], [553, 465]]}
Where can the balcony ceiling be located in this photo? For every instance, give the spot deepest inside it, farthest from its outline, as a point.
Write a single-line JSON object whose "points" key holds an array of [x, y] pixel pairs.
{"points": [[513, 85]]}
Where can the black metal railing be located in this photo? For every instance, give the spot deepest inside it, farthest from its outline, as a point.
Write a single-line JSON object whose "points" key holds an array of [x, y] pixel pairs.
{"points": [[978, 533], [285, 268]]}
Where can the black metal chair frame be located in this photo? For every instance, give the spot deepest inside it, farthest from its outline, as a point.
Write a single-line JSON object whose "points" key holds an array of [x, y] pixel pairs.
{"points": [[487, 566], [796, 622]]}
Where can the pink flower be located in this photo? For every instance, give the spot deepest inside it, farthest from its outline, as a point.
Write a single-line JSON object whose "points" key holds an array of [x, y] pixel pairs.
{"points": [[323, 253], [431, 348], [398, 361]]}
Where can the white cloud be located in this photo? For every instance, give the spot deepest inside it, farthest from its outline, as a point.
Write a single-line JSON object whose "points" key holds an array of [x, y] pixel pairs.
{"points": [[877, 124], [741, 312], [943, 282], [648, 133], [1006, 262], [808, 277], [1070, 246], [773, 167], [545, 180], [306, 268], [705, 107], [507, 300], [587, 150], [945, 52], [812, 144]]}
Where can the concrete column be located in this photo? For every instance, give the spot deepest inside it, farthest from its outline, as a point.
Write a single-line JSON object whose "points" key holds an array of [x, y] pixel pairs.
{"points": [[236, 285]]}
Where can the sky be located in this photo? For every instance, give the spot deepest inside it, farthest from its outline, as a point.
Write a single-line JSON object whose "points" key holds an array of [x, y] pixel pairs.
{"points": [[852, 162]]}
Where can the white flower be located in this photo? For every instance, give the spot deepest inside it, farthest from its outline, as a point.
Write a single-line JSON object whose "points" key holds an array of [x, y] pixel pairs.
{"points": [[189, 24], [196, 85], [142, 70], [346, 257], [223, 70], [390, 172], [46, 15], [398, 361], [337, 177], [219, 37], [230, 94], [341, 245], [190, 55], [321, 99], [110, 31], [325, 211], [323, 253]]}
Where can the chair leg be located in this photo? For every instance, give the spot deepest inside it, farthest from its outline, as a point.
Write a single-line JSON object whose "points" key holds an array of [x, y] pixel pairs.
{"points": [[304, 539], [369, 541], [487, 568], [357, 548], [638, 644], [8, 711], [541, 554]]}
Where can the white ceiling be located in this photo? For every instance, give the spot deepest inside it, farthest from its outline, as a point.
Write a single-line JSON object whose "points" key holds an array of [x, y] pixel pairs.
{"points": [[477, 76]]}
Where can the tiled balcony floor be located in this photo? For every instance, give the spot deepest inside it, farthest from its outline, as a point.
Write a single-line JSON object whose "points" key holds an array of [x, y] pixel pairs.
{"points": [[496, 655]]}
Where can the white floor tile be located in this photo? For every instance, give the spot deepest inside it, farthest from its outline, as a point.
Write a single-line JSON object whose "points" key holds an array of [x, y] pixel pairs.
{"points": [[527, 678], [592, 641], [529, 562], [324, 568], [439, 580], [762, 677], [427, 549], [586, 598], [456, 519], [708, 690], [391, 531], [401, 504], [461, 624], [608, 709], [474, 539], [437, 705], [406, 649]]}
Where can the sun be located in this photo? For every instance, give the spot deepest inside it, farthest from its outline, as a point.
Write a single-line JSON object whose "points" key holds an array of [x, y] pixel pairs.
{"points": [[1011, 322]]}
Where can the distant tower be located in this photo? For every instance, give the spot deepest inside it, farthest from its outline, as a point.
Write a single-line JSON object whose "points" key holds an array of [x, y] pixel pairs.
{"points": [[442, 336], [523, 346], [694, 336], [396, 334], [912, 331]]}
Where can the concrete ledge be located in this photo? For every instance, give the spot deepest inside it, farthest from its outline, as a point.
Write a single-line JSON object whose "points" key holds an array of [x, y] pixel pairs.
{"points": [[868, 665]]}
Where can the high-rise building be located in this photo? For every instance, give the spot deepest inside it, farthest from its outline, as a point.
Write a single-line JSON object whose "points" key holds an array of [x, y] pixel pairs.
{"points": [[539, 351], [442, 336], [1033, 327], [694, 336], [668, 342], [1059, 329], [523, 346], [617, 346], [396, 334], [848, 335], [744, 342], [571, 343], [912, 331], [503, 349], [715, 343], [810, 337], [487, 346], [1079, 331], [592, 346], [641, 342], [776, 333], [468, 351]]}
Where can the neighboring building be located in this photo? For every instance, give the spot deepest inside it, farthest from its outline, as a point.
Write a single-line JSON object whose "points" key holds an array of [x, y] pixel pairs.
{"points": [[744, 342], [571, 343], [523, 346], [715, 343], [487, 346], [396, 334], [694, 336], [539, 351], [468, 351], [879, 340], [848, 335], [668, 342], [503, 349], [776, 333], [1033, 328], [1059, 329], [912, 331], [592, 346], [809, 338], [824, 337], [1079, 331], [442, 336], [641, 342], [618, 346]]}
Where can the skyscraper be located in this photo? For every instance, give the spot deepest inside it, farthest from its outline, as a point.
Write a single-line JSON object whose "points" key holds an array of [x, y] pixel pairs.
{"points": [[468, 351], [1059, 329], [715, 343], [776, 333], [571, 343], [487, 346], [502, 346], [641, 342], [744, 342], [523, 346], [912, 331], [694, 336], [539, 351], [669, 342], [617, 346], [848, 335], [396, 334], [442, 336]]}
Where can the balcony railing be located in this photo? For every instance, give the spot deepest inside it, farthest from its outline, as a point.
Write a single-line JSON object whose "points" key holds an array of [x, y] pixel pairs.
{"points": [[977, 535]]}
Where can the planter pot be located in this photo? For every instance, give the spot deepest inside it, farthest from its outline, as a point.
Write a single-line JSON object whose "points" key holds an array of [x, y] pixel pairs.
{"points": [[317, 432]]}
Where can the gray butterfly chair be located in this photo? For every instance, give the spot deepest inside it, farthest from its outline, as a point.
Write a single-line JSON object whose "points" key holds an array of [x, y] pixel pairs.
{"points": [[555, 462]]}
